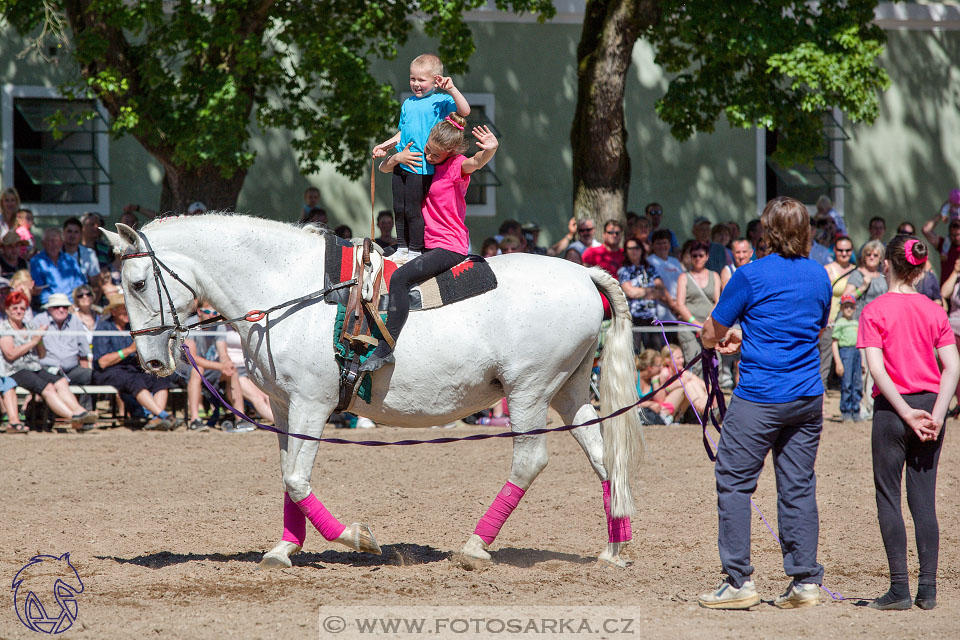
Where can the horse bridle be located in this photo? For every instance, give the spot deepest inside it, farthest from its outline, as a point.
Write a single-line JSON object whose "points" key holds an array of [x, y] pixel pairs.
{"points": [[161, 291]]}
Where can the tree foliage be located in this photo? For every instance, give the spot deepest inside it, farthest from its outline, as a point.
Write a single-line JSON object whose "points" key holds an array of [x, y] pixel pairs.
{"points": [[186, 77], [774, 64]]}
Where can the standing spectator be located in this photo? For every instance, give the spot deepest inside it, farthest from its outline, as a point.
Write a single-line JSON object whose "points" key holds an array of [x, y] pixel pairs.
{"points": [[643, 287], [25, 231], [53, 270], [821, 251], [825, 208], [22, 353], [948, 248], [196, 208], [344, 232], [720, 234], [93, 239], [950, 210], [654, 213], [951, 291], [314, 216], [130, 219], [10, 259], [866, 284], [641, 231], [608, 256], [846, 358], [697, 292], [781, 301], [668, 268], [113, 365], [878, 229], [839, 273], [89, 264], [311, 200], [904, 335], [531, 234], [742, 251], [573, 256], [716, 253], [755, 236], [9, 205], [385, 225]]}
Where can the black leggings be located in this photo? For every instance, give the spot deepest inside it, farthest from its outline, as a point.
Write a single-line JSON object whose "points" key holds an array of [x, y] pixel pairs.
{"points": [[895, 444], [432, 263], [409, 190]]}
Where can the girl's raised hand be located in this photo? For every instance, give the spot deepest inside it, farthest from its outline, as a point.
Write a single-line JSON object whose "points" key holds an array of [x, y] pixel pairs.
{"points": [[485, 138]]}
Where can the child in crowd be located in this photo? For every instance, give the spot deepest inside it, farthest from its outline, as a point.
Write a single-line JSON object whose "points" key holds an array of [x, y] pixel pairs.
{"points": [[24, 230], [656, 409], [950, 210], [411, 175], [846, 358], [903, 334], [687, 388], [444, 216]]}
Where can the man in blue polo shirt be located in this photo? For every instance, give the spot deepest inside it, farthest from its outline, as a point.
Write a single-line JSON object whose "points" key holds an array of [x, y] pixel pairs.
{"points": [[53, 270], [782, 303]]}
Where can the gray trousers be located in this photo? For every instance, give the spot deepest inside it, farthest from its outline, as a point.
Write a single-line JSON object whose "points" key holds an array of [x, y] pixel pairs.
{"points": [[82, 376], [792, 431]]}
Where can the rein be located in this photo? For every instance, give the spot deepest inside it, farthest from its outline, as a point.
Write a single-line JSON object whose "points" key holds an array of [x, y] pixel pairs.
{"points": [[254, 315], [381, 443]]}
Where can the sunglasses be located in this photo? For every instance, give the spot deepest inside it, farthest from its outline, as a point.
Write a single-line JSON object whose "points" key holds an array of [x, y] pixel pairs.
{"points": [[586, 230], [656, 212], [85, 294], [633, 247], [614, 233], [698, 255], [844, 250], [207, 312]]}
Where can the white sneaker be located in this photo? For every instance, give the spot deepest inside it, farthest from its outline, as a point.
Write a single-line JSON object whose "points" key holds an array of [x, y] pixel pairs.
{"points": [[365, 423], [799, 595], [726, 596], [413, 254]]}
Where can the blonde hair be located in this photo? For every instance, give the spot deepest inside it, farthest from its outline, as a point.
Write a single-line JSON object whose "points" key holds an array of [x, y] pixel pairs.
{"points": [[20, 277], [428, 62], [447, 135], [647, 358]]}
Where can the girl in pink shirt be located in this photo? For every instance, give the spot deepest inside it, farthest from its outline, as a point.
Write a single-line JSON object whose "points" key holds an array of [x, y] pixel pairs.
{"points": [[902, 334], [445, 232]]}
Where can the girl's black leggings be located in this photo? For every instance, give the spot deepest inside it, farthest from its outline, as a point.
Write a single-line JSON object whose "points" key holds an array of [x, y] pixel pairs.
{"points": [[894, 445], [432, 263]]}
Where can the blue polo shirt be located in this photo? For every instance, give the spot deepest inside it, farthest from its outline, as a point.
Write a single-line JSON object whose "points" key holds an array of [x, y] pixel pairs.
{"points": [[781, 305], [110, 344], [61, 277], [417, 118]]}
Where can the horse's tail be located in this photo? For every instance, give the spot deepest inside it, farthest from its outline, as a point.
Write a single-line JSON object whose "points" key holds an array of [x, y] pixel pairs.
{"points": [[622, 435]]}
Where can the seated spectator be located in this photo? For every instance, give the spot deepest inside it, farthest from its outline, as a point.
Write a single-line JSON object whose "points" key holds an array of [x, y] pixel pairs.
{"points": [[510, 244], [573, 256], [643, 288], [85, 312], [716, 253], [8, 398], [25, 230], [489, 248], [196, 208], [53, 270], [641, 231], [92, 238], [89, 264], [239, 385], [531, 235], [510, 228], [130, 219], [697, 293], [22, 353], [113, 365], [654, 213], [755, 236], [316, 215], [344, 232], [687, 385], [66, 345], [741, 256], [609, 255], [734, 232], [561, 246], [23, 282], [385, 225], [584, 231], [720, 234], [10, 259], [668, 269], [653, 409], [202, 343]]}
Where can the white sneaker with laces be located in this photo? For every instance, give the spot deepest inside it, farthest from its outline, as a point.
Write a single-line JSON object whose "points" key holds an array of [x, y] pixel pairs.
{"points": [[365, 423], [727, 596], [799, 595]]}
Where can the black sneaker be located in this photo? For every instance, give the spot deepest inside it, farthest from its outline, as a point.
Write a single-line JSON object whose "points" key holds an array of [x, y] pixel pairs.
{"points": [[198, 426]]}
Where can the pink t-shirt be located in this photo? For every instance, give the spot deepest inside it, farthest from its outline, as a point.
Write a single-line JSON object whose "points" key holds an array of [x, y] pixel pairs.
{"points": [[909, 328], [444, 208], [609, 261]]}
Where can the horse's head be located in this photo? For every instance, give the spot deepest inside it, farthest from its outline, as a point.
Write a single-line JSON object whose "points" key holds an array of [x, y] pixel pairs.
{"points": [[152, 296]]}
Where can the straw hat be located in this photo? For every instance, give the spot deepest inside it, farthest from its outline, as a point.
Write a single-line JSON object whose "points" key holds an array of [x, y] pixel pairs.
{"points": [[57, 300], [114, 300]]}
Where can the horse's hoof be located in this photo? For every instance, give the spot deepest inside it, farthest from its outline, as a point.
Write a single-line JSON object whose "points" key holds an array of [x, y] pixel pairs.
{"points": [[359, 537], [611, 556], [476, 549], [279, 556]]}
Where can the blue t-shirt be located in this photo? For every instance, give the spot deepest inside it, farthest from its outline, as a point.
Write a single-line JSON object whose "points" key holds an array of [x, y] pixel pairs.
{"points": [[417, 117], [781, 305]]}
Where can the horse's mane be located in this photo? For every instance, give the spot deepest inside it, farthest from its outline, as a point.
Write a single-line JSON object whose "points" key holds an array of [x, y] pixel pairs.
{"points": [[265, 225]]}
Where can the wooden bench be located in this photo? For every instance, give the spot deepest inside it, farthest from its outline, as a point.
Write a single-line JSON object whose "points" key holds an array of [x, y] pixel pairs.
{"points": [[108, 390]]}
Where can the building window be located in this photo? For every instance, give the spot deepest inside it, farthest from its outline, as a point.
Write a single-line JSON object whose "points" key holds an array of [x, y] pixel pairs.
{"points": [[57, 161]]}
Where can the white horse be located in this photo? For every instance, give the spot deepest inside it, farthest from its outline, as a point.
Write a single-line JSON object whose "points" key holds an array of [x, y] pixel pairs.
{"points": [[532, 339]]}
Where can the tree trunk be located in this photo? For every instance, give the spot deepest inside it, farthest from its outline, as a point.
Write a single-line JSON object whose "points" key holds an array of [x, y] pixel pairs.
{"points": [[182, 186], [601, 165]]}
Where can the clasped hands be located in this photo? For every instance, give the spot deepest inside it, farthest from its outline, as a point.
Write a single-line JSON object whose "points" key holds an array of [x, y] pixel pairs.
{"points": [[923, 424]]}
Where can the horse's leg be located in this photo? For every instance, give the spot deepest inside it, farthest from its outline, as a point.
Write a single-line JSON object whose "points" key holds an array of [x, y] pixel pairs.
{"points": [[572, 402], [529, 459], [297, 457]]}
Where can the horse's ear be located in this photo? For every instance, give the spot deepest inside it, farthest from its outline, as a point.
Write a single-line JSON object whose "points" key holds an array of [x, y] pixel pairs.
{"points": [[125, 238]]}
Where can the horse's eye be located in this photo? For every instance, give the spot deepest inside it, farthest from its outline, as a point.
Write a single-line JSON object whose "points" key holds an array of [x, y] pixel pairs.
{"points": [[139, 286]]}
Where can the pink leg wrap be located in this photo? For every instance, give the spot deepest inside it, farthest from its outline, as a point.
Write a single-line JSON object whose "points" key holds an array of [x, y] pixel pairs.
{"points": [[618, 529], [503, 505], [294, 523], [328, 526]]}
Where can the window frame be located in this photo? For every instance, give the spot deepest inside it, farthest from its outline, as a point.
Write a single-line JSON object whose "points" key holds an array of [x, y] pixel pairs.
{"points": [[49, 209]]}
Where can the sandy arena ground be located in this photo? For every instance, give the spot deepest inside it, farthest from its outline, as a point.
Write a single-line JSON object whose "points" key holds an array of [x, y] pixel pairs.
{"points": [[166, 529]]}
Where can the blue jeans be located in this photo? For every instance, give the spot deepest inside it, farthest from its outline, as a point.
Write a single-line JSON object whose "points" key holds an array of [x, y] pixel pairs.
{"points": [[792, 431], [850, 383]]}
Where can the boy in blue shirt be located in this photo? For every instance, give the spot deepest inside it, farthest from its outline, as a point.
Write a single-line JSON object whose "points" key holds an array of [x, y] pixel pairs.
{"points": [[412, 175]]}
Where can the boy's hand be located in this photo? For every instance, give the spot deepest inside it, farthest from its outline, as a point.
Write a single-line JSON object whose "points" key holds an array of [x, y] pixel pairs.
{"points": [[379, 151], [444, 82], [485, 139], [840, 369], [409, 158]]}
